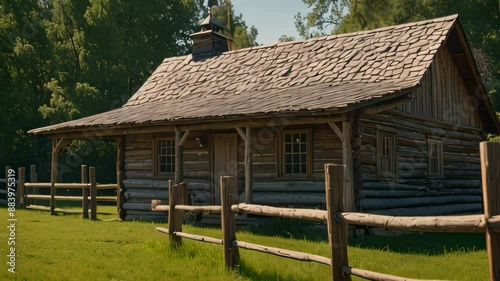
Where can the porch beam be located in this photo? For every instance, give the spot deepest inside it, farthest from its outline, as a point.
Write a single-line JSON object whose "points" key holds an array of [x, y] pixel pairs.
{"points": [[184, 137], [210, 125], [337, 131], [241, 133]]}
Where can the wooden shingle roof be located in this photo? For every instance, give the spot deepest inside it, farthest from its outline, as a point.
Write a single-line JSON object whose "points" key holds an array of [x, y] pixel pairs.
{"points": [[330, 73]]}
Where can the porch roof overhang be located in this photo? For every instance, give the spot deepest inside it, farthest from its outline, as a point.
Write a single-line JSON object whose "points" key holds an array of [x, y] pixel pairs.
{"points": [[123, 121]]}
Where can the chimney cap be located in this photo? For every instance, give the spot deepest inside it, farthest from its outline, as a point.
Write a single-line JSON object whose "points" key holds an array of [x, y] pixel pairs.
{"points": [[210, 23]]}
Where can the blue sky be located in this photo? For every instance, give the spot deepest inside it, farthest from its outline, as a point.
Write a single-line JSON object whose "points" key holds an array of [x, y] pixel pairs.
{"points": [[272, 18]]}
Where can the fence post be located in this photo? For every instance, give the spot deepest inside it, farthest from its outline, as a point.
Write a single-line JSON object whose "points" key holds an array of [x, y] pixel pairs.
{"points": [[337, 230], [20, 186], [93, 194], [228, 190], [174, 216], [490, 172], [33, 179], [85, 193]]}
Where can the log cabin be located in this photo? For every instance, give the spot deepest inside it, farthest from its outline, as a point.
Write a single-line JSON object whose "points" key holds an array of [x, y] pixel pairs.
{"points": [[403, 107]]}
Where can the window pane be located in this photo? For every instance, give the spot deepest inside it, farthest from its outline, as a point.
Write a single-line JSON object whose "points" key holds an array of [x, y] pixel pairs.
{"points": [[288, 138], [288, 168], [303, 137], [296, 137], [303, 158], [303, 147], [303, 168], [295, 147], [288, 148], [296, 158], [296, 169], [288, 158]]}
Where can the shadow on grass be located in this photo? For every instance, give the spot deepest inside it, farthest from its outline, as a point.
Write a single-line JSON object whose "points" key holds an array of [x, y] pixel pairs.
{"points": [[428, 243], [269, 274], [291, 228]]}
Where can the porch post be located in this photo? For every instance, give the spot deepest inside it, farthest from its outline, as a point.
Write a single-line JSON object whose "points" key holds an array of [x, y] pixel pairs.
{"points": [[248, 166], [179, 151], [120, 173], [57, 146], [345, 136]]}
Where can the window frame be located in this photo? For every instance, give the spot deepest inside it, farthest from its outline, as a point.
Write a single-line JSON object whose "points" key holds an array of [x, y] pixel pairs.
{"points": [[156, 156], [393, 173], [439, 157], [281, 154]]}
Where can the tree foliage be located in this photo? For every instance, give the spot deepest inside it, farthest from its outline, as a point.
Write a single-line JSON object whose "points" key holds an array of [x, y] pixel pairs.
{"points": [[64, 59], [236, 28]]}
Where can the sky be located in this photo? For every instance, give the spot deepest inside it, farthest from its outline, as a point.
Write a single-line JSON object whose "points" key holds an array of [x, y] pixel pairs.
{"points": [[272, 18]]}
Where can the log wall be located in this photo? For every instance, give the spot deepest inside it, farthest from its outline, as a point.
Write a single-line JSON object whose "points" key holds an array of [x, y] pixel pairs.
{"points": [[269, 189], [441, 109], [140, 186]]}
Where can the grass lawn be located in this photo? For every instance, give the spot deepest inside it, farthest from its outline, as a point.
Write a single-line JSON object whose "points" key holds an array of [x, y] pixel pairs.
{"points": [[66, 247]]}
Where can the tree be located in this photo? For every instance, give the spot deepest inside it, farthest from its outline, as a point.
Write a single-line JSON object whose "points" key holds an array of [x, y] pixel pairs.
{"points": [[286, 38], [236, 28], [24, 68]]}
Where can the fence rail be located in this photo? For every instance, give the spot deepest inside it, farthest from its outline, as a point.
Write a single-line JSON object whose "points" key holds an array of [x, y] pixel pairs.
{"points": [[338, 221], [29, 191]]}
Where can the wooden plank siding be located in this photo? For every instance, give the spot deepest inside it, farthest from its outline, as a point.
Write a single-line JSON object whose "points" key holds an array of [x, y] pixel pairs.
{"points": [[441, 109]]}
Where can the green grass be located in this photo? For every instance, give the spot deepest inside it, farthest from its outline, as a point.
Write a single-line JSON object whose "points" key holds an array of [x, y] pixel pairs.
{"points": [[65, 247]]}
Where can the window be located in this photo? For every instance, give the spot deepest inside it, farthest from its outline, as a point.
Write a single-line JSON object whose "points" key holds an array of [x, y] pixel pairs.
{"points": [[295, 154], [165, 156], [386, 155], [435, 150]]}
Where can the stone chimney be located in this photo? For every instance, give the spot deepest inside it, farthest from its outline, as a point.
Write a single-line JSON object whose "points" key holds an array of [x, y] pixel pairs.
{"points": [[210, 41]]}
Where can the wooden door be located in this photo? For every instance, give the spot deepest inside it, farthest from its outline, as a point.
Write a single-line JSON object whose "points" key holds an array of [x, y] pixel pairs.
{"points": [[224, 161]]}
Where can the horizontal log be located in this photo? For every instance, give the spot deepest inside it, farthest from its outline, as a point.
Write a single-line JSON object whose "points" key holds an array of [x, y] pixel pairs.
{"points": [[371, 275], [391, 186], [138, 175], [145, 213], [62, 211], [301, 256], [293, 186], [430, 191], [57, 185], [390, 203], [192, 237], [305, 214], [137, 206], [159, 208], [189, 208], [469, 223], [193, 184], [146, 194], [395, 193], [432, 210], [106, 186], [268, 198], [157, 218], [70, 198]]}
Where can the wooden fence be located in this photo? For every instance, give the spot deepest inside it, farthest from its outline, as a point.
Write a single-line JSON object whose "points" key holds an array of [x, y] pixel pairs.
{"points": [[27, 192], [338, 221]]}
